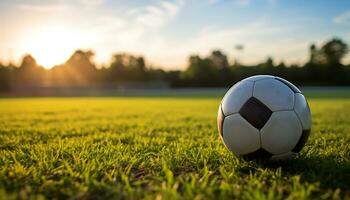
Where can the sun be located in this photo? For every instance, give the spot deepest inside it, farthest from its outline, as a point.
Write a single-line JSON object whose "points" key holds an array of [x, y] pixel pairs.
{"points": [[51, 46]]}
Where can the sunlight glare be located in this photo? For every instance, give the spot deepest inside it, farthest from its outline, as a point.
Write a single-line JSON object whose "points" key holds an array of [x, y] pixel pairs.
{"points": [[51, 46]]}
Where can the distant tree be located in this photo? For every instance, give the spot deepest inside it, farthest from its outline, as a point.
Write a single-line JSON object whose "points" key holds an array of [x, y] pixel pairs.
{"points": [[313, 54], [126, 67], [211, 71], [78, 70], [201, 72], [28, 63], [82, 61], [5, 78], [281, 65], [324, 67], [29, 72], [140, 64], [334, 51], [219, 59], [268, 63], [236, 63]]}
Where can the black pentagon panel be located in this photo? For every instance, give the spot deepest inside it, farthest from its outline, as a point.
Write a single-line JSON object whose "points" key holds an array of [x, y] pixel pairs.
{"points": [[220, 121], [260, 155], [302, 141], [289, 84], [255, 112]]}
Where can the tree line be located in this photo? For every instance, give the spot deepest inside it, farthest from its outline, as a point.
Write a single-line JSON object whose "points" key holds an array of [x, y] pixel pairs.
{"points": [[324, 67]]}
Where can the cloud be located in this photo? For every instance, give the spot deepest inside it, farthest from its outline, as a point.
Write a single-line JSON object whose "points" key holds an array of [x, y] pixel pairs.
{"points": [[135, 31], [86, 2], [42, 8], [342, 19], [58, 5], [142, 30], [140, 25], [260, 39], [156, 15], [241, 3]]}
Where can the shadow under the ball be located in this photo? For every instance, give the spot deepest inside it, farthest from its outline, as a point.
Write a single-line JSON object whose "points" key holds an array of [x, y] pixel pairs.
{"points": [[330, 171]]}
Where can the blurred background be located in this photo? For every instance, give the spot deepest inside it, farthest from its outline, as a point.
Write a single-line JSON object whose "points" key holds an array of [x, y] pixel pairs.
{"points": [[77, 47]]}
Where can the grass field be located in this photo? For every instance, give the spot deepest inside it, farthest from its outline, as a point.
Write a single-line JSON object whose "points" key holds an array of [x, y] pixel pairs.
{"points": [[158, 148]]}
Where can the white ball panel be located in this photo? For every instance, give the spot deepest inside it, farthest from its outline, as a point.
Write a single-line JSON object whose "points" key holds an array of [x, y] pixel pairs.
{"points": [[284, 156], [281, 133], [220, 120], [289, 84], [302, 109], [239, 136], [236, 97], [258, 77], [274, 94]]}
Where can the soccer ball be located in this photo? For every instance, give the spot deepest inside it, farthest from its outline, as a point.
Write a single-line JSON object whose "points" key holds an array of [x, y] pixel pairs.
{"points": [[264, 117]]}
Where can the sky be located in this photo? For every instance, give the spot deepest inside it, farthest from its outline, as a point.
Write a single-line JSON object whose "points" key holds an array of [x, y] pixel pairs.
{"points": [[166, 32]]}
